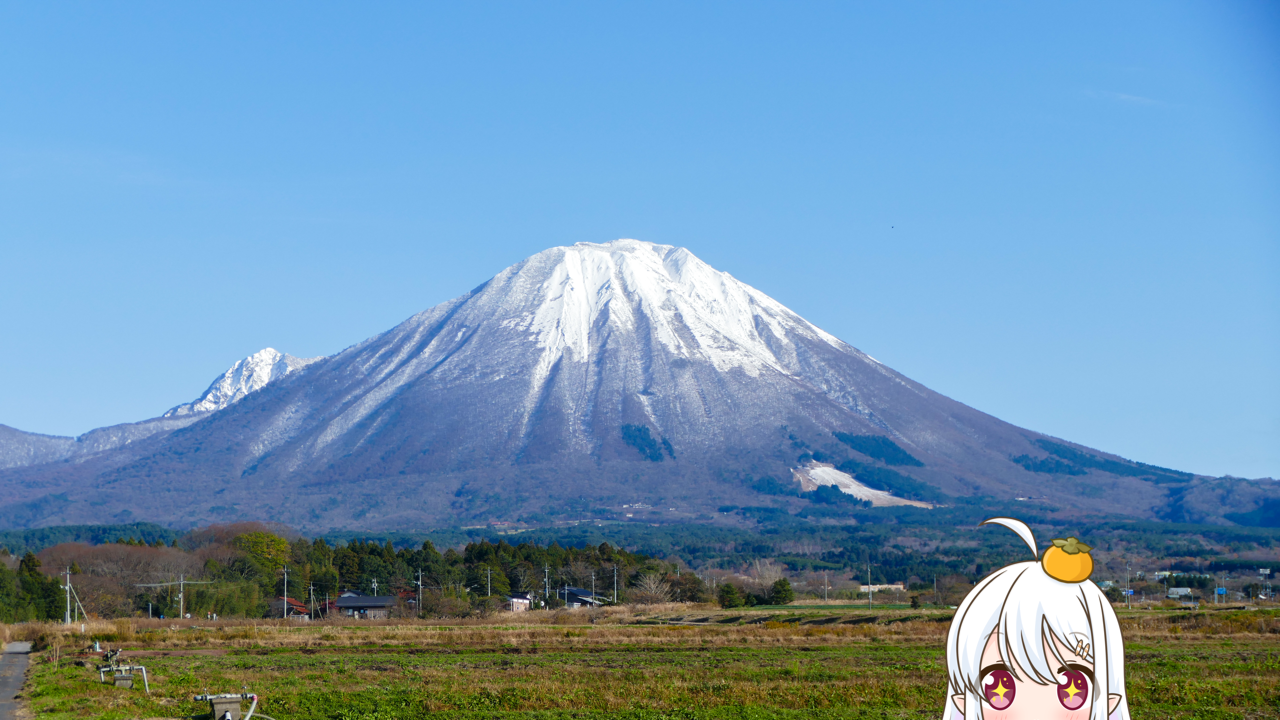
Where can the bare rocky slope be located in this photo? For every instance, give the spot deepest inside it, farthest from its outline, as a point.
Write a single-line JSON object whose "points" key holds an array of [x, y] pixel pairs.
{"points": [[572, 383]]}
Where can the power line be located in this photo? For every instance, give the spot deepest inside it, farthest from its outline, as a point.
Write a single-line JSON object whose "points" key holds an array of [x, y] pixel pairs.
{"points": [[181, 582]]}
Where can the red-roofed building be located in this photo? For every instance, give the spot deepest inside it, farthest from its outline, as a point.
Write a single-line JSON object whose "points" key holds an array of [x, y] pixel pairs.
{"points": [[296, 609]]}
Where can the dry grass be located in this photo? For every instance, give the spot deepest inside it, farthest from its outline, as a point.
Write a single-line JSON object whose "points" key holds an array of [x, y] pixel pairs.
{"points": [[671, 661]]}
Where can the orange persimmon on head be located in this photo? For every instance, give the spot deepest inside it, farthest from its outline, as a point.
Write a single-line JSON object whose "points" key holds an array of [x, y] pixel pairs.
{"points": [[1068, 560]]}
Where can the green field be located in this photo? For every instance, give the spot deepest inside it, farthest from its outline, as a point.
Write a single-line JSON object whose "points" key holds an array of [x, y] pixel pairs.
{"points": [[805, 662]]}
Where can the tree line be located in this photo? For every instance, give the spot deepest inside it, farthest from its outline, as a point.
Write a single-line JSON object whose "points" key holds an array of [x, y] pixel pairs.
{"points": [[238, 570]]}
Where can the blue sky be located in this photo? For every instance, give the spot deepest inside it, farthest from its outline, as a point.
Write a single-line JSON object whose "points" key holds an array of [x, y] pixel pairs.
{"points": [[1067, 216]]}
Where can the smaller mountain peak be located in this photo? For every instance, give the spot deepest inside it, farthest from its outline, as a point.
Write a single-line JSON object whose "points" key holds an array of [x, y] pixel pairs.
{"points": [[246, 376]]}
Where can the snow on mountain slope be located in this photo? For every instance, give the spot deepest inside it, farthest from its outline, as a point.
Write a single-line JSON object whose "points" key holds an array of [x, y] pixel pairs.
{"points": [[18, 448], [246, 376], [580, 378], [582, 331], [626, 281]]}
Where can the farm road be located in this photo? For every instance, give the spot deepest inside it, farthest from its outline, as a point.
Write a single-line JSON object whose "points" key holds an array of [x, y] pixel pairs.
{"points": [[13, 670]]}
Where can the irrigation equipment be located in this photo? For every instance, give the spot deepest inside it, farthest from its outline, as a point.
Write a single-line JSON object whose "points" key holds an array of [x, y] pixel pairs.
{"points": [[121, 675], [226, 706]]}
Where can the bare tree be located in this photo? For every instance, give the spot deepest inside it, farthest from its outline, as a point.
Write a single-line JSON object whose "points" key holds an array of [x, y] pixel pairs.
{"points": [[766, 572], [649, 589], [579, 574], [526, 580]]}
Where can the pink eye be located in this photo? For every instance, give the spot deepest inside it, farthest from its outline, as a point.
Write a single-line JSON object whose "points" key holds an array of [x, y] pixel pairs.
{"points": [[998, 689], [1073, 692]]}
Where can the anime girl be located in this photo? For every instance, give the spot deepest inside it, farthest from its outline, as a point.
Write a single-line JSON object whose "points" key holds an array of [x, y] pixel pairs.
{"points": [[1036, 640]]}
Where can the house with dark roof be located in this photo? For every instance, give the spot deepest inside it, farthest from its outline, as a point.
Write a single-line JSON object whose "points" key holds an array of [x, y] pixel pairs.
{"points": [[366, 607], [518, 602], [578, 598]]}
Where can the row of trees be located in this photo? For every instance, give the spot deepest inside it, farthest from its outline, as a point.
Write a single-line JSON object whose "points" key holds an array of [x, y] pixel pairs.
{"points": [[237, 570], [779, 593]]}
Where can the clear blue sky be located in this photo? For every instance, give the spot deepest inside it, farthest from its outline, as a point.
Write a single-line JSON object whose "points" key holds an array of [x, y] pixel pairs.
{"points": [[1064, 214]]}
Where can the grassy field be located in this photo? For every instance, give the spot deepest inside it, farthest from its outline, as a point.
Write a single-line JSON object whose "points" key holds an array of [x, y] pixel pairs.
{"points": [[659, 663]]}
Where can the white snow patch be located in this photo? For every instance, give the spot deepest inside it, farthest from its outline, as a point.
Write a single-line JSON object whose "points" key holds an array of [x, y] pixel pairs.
{"points": [[813, 475]]}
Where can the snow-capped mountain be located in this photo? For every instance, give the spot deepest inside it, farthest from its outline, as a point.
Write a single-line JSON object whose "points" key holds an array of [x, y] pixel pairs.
{"points": [[578, 380], [18, 448], [246, 376]]}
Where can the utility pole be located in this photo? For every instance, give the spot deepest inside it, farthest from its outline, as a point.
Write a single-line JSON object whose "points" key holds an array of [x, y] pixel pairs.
{"points": [[824, 586], [869, 590], [593, 586], [67, 617], [419, 591], [182, 583], [489, 570], [615, 584], [286, 592], [311, 601], [546, 583], [375, 586]]}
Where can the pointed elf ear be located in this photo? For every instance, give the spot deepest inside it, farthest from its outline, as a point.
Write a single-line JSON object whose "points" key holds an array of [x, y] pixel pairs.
{"points": [[958, 701], [1113, 702]]}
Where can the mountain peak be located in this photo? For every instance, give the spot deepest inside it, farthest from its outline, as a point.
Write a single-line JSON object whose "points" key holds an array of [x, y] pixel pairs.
{"points": [[246, 376], [573, 298]]}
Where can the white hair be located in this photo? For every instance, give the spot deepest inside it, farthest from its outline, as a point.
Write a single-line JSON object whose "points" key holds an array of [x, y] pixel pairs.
{"points": [[1025, 606]]}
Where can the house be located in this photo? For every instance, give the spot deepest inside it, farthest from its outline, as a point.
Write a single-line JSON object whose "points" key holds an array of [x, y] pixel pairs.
{"points": [[1179, 594], [577, 597], [366, 607], [518, 602], [895, 587], [296, 609]]}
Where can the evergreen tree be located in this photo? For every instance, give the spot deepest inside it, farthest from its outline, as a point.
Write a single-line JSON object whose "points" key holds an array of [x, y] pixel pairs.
{"points": [[728, 596], [781, 592], [42, 595]]}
